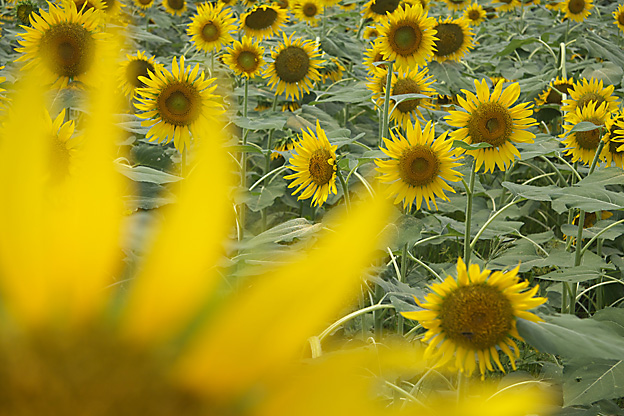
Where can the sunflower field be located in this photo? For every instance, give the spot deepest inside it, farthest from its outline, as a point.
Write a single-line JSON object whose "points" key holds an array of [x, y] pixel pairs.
{"points": [[312, 207]]}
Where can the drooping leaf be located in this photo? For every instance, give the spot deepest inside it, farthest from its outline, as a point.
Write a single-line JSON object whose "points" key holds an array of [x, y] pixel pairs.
{"points": [[587, 381]]}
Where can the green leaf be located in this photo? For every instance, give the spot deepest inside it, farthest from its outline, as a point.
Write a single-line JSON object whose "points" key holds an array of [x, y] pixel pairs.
{"points": [[535, 193], [284, 232], [239, 148], [515, 44], [603, 177], [589, 199], [274, 121], [586, 382], [608, 72], [576, 274], [476, 146], [266, 195], [145, 174], [584, 126], [402, 306], [571, 337], [409, 229]]}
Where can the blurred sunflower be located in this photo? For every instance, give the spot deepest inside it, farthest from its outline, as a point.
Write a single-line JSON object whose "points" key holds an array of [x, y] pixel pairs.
{"points": [[553, 93], [23, 10], [408, 37], [177, 104], [347, 6], [577, 10], [62, 148], [370, 33], [283, 145], [294, 68], [582, 145], [245, 58], [455, 38], [490, 118], [263, 21], [113, 7], [132, 68], [377, 10], [420, 166], [174, 7], [62, 42], [591, 217], [332, 69], [144, 4], [211, 28], [84, 5], [473, 315], [372, 55], [314, 164], [457, 4], [443, 101], [585, 92], [496, 79], [423, 3], [475, 14], [291, 106], [307, 11], [618, 15], [410, 82], [507, 5]]}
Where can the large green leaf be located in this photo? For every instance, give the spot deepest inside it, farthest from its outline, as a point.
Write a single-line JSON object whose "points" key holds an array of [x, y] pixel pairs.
{"points": [[535, 193], [587, 381], [266, 195], [145, 174]]}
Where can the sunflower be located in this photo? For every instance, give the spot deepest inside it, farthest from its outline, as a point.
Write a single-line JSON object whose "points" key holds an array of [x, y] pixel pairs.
{"points": [[473, 315], [175, 7], [408, 37], [84, 5], [553, 94], [176, 104], [582, 145], [475, 14], [489, 118], [410, 82], [373, 55], [444, 101], [423, 3], [144, 4], [63, 148], [283, 145], [585, 92], [377, 10], [294, 68], [454, 39], [457, 4], [332, 69], [420, 166], [23, 10], [507, 5], [211, 28], [245, 58], [618, 15], [591, 217], [315, 167], [377, 83], [113, 7], [132, 68], [347, 6], [370, 33], [576, 10], [307, 11], [62, 41], [263, 21]]}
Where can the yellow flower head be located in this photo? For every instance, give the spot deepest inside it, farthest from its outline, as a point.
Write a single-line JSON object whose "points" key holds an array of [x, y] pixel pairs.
{"points": [[294, 68], [455, 38], [245, 58], [490, 118], [144, 4], [211, 28], [585, 92], [315, 167], [370, 33], [307, 11], [410, 82], [577, 10], [618, 15], [132, 68], [263, 21], [419, 167], [373, 54], [177, 104], [582, 145], [332, 69], [468, 318], [457, 4], [408, 37], [377, 10], [175, 7], [475, 14], [507, 5], [62, 42], [553, 94]]}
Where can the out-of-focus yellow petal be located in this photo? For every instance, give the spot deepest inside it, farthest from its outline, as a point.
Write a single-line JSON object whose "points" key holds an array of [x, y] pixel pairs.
{"points": [[177, 276], [262, 329]]}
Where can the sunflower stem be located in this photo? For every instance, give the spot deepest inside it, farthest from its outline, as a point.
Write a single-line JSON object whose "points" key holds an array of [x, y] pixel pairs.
{"points": [[242, 209], [345, 189], [267, 162], [386, 110], [373, 308], [402, 278], [469, 194]]}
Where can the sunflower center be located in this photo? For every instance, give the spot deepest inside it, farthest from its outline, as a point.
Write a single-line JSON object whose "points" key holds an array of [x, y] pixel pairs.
{"points": [[261, 19], [616, 138], [310, 9], [418, 165], [67, 49], [450, 39], [145, 2], [210, 32], [553, 97], [292, 64], [138, 68], [406, 39], [247, 61], [589, 140], [87, 373], [176, 4], [490, 123], [319, 167], [563, 87], [589, 97], [407, 86], [620, 19], [576, 6], [476, 317], [474, 15], [384, 6], [179, 103]]}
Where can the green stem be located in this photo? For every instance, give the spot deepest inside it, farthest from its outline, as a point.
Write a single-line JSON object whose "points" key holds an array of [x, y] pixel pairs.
{"points": [[347, 318], [601, 232], [243, 209], [383, 133], [469, 195], [345, 189], [490, 220]]}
